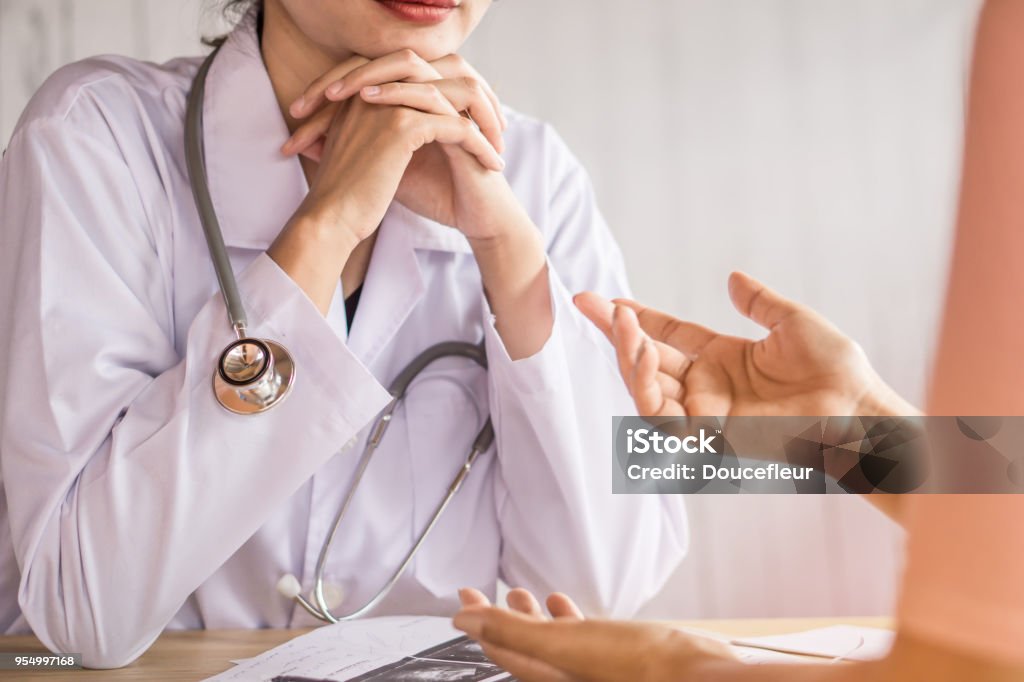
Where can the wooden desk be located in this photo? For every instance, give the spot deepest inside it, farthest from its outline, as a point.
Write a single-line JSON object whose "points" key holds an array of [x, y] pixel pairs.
{"points": [[194, 655]]}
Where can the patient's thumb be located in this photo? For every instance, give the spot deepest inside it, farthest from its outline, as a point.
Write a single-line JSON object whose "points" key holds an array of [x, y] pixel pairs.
{"points": [[758, 302]]}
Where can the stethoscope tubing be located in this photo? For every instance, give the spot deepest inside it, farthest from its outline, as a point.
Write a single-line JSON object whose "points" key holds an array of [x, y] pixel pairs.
{"points": [[195, 162], [196, 166], [398, 390]]}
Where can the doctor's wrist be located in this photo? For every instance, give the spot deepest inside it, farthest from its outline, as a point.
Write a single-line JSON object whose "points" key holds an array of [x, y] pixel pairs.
{"points": [[313, 253], [509, 257]]}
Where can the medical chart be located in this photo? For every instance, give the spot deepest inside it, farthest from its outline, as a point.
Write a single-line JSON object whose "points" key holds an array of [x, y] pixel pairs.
{"points": [[845, 642], [372, 650]]}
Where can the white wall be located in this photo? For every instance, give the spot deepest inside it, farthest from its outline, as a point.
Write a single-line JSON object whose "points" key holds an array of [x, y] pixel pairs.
{"points": [[813, 143]]}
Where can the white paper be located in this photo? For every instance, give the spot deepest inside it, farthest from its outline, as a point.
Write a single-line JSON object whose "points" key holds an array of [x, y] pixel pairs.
{"points": [[845, 642], [347, 650], [748, 655]]}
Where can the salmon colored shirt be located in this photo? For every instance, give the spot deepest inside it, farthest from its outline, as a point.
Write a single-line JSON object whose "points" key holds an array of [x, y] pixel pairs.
{"points": [[964, 582]]}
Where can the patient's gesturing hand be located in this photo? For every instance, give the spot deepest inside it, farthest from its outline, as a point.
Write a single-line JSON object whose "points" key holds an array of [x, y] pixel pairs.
{"points": [[804, 366], [576, 650], [522, 601]]}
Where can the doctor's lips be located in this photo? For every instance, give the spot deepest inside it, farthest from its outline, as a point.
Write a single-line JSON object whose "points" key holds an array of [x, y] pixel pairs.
{"points": [[420, 11]]}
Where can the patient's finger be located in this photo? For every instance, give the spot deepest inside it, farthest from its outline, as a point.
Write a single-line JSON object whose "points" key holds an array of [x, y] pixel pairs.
{"points": [[761, 304], [686, 337], [523, 601], [649, 386], [561, 606], [470, 596], [672, 387], [671, 360], [597, 309], [628, 339]]}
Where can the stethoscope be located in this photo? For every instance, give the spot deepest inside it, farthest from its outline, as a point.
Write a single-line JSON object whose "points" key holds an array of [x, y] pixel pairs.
{"points": [[254, 375]]}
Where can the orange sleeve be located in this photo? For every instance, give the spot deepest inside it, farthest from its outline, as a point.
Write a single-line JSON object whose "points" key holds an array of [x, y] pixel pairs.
{"points": [[964, 581]]}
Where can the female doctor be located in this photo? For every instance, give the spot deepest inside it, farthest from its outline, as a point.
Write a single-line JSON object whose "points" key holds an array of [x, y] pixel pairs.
{"points": [[367, 219]]}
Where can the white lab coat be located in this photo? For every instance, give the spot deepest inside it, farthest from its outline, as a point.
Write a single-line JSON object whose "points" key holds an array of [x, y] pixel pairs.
{"points": [[133, 502]]}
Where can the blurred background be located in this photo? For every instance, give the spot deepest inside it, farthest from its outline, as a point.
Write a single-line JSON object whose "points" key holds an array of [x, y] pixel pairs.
{"points": [[812, 143]]}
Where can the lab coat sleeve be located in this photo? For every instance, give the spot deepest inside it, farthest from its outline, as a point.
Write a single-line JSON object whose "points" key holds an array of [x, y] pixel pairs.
{"points": [[563, 529], [127, 484]]}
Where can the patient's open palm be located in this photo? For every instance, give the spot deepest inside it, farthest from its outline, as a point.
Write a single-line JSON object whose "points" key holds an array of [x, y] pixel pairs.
{"points": [[804, 366]]}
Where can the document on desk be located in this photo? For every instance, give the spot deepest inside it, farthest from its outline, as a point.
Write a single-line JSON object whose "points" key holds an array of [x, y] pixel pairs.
{"points": [[846, 642], [372, 649]]}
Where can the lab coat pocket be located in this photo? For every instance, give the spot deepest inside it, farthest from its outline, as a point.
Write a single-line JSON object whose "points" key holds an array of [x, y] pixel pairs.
{"points": [[445, 410]]}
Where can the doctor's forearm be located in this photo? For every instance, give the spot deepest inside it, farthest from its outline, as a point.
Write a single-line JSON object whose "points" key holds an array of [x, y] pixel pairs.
{"points": [[313, 253], [513, 268]]}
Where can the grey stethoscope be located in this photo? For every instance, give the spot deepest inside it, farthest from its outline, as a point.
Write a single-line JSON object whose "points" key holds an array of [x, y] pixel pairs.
{"points": [[254, 375]]}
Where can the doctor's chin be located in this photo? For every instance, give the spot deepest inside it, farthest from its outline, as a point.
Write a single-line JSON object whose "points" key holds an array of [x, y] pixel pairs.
{"points": [[474, 340]]}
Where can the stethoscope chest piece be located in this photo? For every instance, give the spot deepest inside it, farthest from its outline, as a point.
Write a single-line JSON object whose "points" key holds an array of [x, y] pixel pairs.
{"points": [[253, 375]]}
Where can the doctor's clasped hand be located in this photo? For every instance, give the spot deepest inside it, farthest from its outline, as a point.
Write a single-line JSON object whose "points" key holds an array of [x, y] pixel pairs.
{"points": [[427, 134]]}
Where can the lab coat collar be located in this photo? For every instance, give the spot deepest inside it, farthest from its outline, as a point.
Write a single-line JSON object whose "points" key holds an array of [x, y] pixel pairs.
{"points": [[255, 188]]}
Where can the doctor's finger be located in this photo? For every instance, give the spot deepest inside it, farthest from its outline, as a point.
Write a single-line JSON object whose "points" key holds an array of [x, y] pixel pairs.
{"points": [[469, 94], [310, 132], [313, 96], [315, 151], [442, 97], [454, 66], [686, 337], [419, 96], [524, 602], [758, 302], [404, 65], [455, 130]]}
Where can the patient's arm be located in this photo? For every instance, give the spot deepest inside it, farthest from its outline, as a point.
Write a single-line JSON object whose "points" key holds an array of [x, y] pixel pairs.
{"points": [[532, 648]]}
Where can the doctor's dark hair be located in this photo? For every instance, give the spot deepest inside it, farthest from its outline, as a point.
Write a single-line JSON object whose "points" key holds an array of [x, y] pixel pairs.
{"points": [[236, 8], [233, 11]]}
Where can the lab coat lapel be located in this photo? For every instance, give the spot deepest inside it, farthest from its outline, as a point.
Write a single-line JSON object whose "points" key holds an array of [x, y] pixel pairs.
{"points": [[395, 282], [255, 188], [394, 285]]}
